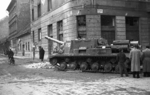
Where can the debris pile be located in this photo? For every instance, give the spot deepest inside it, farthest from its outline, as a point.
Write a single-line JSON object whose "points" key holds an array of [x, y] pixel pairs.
{"points": [[45, 65]]}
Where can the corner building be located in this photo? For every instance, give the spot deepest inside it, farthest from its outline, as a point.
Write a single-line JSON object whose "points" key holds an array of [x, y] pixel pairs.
{"points": [[70, 19]]}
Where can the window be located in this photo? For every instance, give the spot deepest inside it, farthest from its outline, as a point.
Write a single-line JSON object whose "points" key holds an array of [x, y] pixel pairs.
{"points": [[49, 6], [132, 28], [108, 28], [20, 46], [32, 14], [39, 9], [50, 30], [33, 36], [81, 26], [50, 43], [28, 46], [108, 20], [39, 34], [60, 30]]}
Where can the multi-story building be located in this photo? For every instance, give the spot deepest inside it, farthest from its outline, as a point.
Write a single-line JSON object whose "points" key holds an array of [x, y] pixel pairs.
{"points": [[70, 19], [19, 26], [4, 33]]}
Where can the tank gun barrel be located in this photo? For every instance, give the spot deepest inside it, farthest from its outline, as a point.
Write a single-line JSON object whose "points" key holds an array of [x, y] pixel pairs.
{"points": [[55, 40]]}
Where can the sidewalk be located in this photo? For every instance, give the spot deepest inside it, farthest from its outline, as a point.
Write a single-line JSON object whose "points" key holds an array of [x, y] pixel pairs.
{"points": [[27, 58], [22, 57]]}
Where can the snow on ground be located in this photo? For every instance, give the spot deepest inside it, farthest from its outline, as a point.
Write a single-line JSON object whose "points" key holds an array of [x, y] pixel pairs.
{"points": [[3, 60], [45, 65], [46, 86]]}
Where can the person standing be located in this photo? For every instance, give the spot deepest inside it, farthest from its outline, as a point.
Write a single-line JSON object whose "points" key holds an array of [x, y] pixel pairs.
{"points": [[10, 54], [121, 58], [41, 53], [146, 61], [135, 57]]}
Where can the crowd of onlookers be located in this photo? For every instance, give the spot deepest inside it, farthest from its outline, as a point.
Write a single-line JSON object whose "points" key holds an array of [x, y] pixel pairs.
{"points": [[137, 58]]}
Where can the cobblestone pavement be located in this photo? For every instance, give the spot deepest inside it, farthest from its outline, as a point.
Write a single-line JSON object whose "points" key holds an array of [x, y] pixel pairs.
{"points": [[19, 80]]}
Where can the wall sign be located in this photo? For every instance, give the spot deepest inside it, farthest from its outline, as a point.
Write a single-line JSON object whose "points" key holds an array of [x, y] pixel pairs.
{"points": [[99, 10]]}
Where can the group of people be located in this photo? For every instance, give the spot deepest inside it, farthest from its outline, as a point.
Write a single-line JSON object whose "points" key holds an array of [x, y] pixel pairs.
{"points": [[137, 58], [11, 59]]}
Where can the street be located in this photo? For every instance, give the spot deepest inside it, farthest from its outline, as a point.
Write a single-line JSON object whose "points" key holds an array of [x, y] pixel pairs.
{"points": [[25, 78]]}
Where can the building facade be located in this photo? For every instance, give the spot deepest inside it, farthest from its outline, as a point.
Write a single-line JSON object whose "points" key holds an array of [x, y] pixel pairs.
{"points": [[70, 19], [4, 33], [19, 27]]}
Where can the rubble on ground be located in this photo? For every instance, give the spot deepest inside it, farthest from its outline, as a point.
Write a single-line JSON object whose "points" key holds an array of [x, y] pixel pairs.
{"points": [[45, 65]]}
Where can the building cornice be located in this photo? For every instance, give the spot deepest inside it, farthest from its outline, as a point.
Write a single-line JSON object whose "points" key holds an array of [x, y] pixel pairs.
{"points": [[11, 5]]}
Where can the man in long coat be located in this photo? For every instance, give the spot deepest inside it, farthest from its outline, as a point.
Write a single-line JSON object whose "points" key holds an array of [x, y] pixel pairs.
{"points": [[41, 53], [146, 61], [135, 56], [10, 54]]}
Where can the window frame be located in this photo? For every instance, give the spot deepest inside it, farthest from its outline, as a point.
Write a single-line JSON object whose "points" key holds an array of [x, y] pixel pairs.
{"points": [[81, 26], [60, 30], [32, 14], [33, 36], [49, 5], [39, 10], [39, 34]]}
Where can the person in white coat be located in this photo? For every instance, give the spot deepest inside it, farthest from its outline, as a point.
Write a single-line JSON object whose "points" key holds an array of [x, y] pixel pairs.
{"points": [[135, 57]]}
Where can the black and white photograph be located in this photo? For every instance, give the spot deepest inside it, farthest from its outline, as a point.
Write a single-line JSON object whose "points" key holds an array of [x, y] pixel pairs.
{"points": [[75, 47]]}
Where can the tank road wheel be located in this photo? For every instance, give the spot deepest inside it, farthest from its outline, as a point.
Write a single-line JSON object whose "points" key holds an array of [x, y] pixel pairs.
{"points": [[54, 61], [63, 66], [113, 61], [73, 65], [95, 66], [101, 67], [88, 60], [67, 60], [83, 66], [107, 67]]}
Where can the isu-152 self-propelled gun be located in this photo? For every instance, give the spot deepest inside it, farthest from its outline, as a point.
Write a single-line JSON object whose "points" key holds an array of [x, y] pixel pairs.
{"points": [[84, 54]]}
